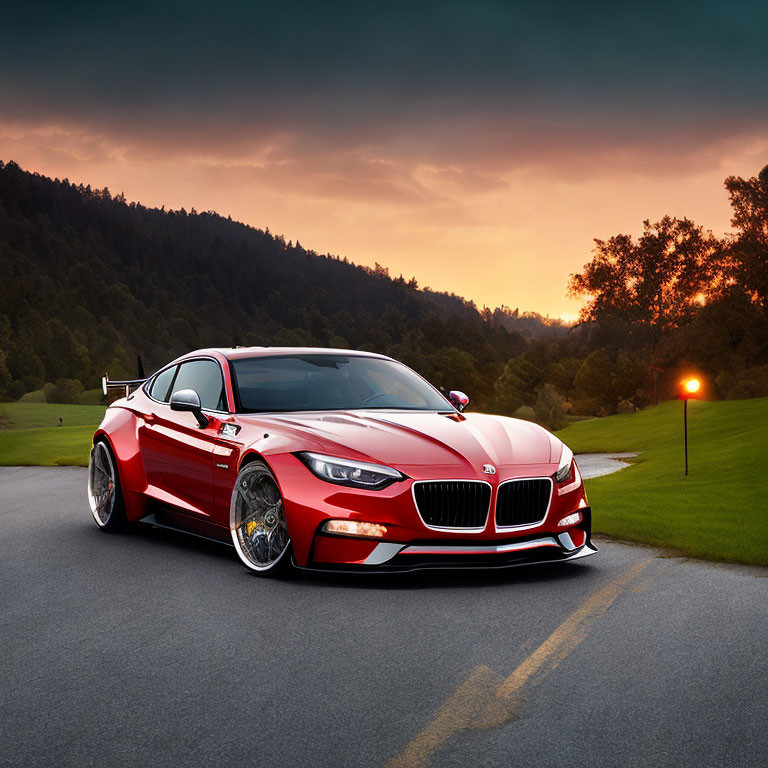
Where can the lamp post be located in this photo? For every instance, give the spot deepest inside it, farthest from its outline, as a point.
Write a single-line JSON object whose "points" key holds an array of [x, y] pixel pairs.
{"points": [[690, 389]]}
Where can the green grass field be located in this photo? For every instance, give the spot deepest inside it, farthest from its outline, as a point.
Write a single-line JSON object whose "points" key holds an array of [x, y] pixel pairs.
{"points": [[64, 446], [26, 415], [35, 438], [718, 512]]}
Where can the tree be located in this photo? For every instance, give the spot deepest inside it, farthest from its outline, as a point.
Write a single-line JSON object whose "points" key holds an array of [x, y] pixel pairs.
{"points": [[748, 253], [5, 374], [657, 281], [550, 407], [525, 412], [516, 385], [65, 391], [591, 396]]}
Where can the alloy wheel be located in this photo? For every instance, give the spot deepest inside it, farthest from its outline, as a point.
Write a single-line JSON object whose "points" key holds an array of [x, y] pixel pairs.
{"points": [[102, 484], [257, 518]]}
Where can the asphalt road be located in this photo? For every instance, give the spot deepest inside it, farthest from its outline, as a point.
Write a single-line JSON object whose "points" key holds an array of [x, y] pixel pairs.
{"points": [[155, 649]]}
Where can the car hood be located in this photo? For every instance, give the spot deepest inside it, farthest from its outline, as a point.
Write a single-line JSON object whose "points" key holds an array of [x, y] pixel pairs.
{"points": [[407, 438]]}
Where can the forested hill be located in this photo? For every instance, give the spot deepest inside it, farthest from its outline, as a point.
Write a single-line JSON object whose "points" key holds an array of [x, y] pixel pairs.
{"points": [[91, 281]]}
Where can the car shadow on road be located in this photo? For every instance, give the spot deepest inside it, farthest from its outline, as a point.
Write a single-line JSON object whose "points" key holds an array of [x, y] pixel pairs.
{"points": [[456, 578]]}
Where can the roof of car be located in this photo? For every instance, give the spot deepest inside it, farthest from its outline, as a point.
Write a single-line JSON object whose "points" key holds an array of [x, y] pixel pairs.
{"points": [[236, 353]]}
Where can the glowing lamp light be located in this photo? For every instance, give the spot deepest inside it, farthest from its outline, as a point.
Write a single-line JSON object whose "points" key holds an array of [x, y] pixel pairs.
{"points": [[692, 386]]}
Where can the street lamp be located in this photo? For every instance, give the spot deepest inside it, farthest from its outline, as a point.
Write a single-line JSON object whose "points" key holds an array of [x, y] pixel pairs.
{"points": [[692, 386], [689, 390]]}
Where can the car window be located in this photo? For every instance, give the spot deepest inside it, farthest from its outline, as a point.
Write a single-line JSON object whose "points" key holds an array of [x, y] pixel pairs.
{"points": [[162, 383], [204, 376], [331, 382], [389, 379]]}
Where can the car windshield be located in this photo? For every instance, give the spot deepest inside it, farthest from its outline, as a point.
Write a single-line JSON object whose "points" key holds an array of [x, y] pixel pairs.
{"points": [[329, 383]]}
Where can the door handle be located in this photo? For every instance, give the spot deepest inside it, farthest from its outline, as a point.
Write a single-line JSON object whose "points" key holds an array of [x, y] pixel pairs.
{"points": [[149, 418]]}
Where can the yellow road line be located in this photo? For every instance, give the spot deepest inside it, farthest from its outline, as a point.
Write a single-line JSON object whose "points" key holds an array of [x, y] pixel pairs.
{"points": [[486, 700]]}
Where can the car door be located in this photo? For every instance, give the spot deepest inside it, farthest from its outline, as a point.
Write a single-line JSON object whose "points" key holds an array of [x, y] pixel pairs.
{"points": [[177, 452]]}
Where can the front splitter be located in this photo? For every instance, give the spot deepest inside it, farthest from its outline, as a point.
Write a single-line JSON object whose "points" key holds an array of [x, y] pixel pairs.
{"points": [[398, 563]]}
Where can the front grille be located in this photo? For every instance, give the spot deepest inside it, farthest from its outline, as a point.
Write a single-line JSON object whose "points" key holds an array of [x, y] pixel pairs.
{"points": [[522, 502], [453, 503]]}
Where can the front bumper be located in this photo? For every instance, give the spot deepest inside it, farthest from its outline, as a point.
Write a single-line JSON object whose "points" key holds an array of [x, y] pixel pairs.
{"points": [[410, 544], [401, 558]]}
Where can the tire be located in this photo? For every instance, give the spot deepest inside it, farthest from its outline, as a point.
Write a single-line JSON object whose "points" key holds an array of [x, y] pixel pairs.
{"points": [[257, 521], [105, 495]]}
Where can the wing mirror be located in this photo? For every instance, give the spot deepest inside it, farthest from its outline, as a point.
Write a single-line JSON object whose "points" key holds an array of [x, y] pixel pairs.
{"points": [[458, 399], [189, 400]]}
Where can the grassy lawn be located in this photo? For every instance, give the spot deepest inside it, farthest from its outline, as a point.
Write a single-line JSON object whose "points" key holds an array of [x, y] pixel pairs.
{"points": [[30, 415], [718, 512], [58, 446], [35, 438]]}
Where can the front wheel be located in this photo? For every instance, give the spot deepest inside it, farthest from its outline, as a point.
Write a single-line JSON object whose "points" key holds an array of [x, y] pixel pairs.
{"points": [[105, 496], [257, 520]]}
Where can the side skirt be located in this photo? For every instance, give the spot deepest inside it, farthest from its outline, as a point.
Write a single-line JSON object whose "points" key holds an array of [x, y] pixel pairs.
{"points": [[158, 520]]}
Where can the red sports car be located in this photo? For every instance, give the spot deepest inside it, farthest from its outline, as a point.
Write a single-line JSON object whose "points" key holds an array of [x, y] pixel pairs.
{"points": [[333, 460]]}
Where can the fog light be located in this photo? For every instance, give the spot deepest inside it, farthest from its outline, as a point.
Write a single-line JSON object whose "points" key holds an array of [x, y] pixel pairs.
{"points": [[571, 519], [353, 528]]}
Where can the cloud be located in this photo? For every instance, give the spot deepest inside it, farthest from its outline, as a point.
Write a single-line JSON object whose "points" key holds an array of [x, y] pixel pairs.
{"points": [[419, 134], [485, 84]]}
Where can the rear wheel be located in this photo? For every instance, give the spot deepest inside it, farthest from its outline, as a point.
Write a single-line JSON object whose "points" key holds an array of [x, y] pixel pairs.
{"points": [[257, 520], [105, 496]]}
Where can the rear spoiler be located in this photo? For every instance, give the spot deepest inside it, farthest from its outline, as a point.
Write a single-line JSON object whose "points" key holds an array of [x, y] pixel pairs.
{"points": [[107, 384]]}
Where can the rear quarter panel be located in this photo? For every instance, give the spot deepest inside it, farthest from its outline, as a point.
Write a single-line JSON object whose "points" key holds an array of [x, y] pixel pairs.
{"points": [[120, 429]]}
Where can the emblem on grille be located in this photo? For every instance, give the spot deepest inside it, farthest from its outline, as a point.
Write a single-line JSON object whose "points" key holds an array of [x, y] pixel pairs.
{"points": [[489, 469]]}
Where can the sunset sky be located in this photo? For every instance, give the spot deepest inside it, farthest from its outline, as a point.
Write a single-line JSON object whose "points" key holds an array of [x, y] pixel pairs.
{"points": [[477, 146]]}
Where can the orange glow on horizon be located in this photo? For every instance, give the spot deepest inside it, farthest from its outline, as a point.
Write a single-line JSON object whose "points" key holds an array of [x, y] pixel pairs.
{"points": [[488, 230]]}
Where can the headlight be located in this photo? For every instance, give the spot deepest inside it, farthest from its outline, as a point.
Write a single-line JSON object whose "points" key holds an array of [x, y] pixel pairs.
{"points": [[564, 467], [356, 474]]}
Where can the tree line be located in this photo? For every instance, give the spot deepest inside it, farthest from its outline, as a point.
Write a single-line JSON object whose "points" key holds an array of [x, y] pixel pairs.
{"points": [[93, 283], [675, 301]]}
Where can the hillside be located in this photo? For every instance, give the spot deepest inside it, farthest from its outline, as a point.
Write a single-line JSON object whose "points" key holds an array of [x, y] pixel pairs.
{"points": [[718, 512], [91, 281]]}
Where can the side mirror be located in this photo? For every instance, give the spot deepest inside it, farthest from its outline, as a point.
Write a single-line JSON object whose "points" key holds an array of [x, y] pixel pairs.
{"points": [[189, 400], [458, 400]]}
